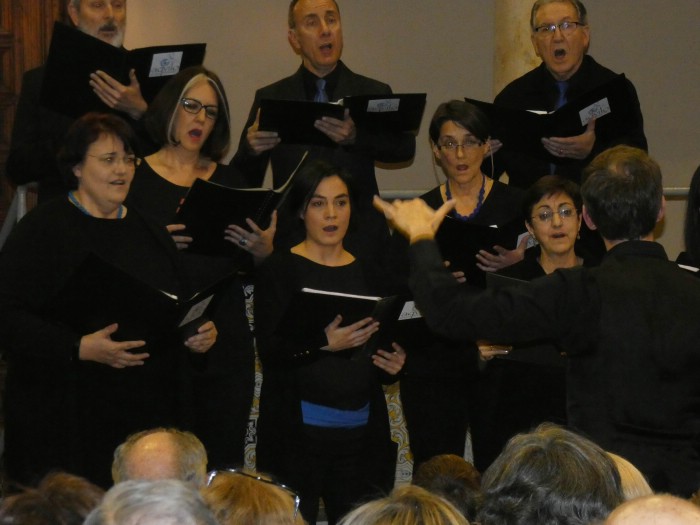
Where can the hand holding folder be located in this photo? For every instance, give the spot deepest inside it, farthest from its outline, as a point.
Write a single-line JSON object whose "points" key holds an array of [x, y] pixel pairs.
{"points": [[209, 208], [522, 130], [311, 312], [74, 56], [295, 120], [99, 295]]}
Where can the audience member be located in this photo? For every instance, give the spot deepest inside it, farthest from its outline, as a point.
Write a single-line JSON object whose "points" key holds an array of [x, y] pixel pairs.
{"points": [[162, 502], [316, 35], [691, 231], [323, 426], [661, 509], [629, 326], [453, 478], [634, 485], [550, 475], [78, 382], [60, 499], [161, 453], [238, 497], [406, 505], [38, 132]]}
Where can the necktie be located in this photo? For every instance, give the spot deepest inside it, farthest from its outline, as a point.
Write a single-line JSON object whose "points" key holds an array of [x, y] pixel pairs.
{"points": [[562, 86], [321, 95]]}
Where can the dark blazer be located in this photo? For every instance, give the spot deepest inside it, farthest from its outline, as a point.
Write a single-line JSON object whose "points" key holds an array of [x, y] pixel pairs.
{"points": [[537, 90], [358, 159]]}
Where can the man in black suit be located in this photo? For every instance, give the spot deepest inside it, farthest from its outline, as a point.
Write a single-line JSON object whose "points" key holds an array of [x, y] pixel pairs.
{"points": [[561, 36], [316, 34], [38, 132]]}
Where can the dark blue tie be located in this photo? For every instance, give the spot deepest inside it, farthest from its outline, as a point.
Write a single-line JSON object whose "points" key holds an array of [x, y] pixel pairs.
{"points": [[562, 86], [321, 95]]}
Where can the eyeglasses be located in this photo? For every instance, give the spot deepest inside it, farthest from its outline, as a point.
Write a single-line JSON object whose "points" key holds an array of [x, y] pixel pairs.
{"points": [[565, 27], [295, 496], [565, 212], [194, 106], [110, 161], [451, 145]]}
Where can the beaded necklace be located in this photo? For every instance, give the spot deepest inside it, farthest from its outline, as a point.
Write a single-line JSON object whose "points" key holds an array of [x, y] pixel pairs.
{"points": [[76, 203], [479, 200]]}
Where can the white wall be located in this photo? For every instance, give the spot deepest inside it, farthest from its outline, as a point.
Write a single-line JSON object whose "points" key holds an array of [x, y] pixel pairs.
{"points": [[446, 49]]}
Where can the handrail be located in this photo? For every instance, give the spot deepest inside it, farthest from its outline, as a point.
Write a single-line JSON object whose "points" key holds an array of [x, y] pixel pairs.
{"points": [[390, 194]]}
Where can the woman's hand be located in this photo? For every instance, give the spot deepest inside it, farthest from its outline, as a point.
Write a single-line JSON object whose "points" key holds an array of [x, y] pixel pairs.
{"points": [[181, 241], [488, 351], [490, 262], [351, 336], [204, 340], [99, 347], [257, 242], [390, 362], [458, 275]]}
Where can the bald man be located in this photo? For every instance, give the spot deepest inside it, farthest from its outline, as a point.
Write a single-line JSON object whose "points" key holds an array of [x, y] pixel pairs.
{"points": [[160, 453], [661, 509]]}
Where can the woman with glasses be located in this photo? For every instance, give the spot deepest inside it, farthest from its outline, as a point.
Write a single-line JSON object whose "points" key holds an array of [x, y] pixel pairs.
{"points": [[323, 427], [78, 382], [189, 121], [436, 391], [527, 386]]}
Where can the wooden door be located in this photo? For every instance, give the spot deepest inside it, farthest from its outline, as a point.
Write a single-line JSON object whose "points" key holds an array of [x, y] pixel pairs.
{"points": [[25, 33]]}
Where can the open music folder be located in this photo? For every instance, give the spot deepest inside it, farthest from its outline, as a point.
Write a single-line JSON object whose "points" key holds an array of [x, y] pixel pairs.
{"points": [[99, 293], [209, 208], [310, 311], [74, 55], [522, 130], [294, 120]]}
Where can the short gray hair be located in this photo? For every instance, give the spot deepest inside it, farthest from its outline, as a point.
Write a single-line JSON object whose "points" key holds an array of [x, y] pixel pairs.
{"points": [[133, 502], [578, 5]]}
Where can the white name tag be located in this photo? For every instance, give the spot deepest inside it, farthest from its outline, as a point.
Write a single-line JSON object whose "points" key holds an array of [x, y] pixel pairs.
{"points": [[409, 311], [383, 105], [595, 110], [165, 64]]}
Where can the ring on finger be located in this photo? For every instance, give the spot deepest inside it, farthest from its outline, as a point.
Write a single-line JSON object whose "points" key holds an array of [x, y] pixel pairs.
{"points": [[243, 241]]}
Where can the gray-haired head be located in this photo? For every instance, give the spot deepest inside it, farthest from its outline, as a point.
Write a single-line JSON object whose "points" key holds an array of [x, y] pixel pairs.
{"points": [[162, 502]]}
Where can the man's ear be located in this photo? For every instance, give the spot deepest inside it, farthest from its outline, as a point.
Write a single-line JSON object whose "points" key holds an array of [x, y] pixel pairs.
{"points": [[589, 221], [662, 210], [293, 41], [73, 14]]}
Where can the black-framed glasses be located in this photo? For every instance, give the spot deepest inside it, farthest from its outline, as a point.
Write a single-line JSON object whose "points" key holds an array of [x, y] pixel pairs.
{"points": [[565, 212], [293, 493], [110, 160], [566, 27], [453, 145], [194, 106]]}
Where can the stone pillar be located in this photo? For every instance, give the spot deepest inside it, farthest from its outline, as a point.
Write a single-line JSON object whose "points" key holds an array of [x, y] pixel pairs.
{"points": [[513, 55]]}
